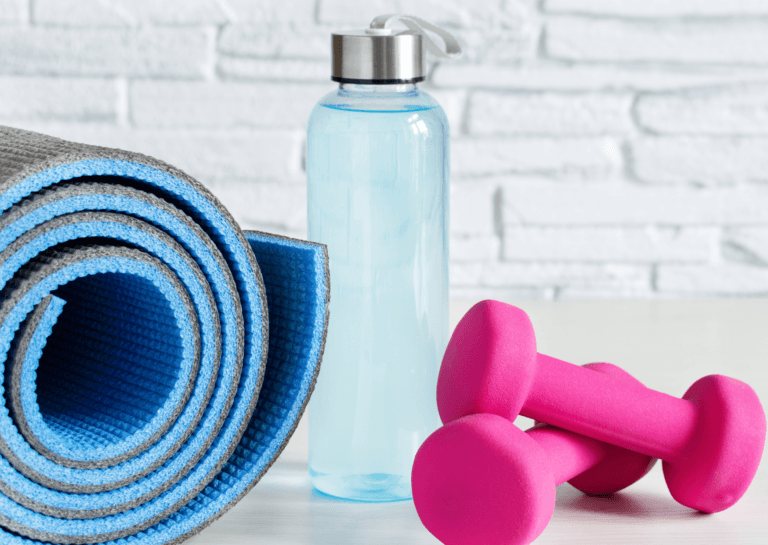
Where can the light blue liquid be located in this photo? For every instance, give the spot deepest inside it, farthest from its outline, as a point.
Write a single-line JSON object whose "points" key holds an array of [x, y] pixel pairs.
{"points": [[377, 175]]}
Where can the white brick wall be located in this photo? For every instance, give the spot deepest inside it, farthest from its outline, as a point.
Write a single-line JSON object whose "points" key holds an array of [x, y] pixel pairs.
{"points": [[643, 41], [77, 99], [547, 112], [601, 148], [713, 111], [558, 157], [157, 52]]}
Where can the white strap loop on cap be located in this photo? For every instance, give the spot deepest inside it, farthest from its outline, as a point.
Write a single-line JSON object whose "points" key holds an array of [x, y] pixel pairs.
{"points": [[417, 24]]}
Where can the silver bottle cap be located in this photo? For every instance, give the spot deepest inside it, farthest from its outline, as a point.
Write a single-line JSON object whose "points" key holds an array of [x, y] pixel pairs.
{"points": [[377, 55], [381, 54]]}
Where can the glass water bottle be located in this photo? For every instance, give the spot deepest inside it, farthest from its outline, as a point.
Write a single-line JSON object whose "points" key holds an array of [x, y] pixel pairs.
{"points": [[377, 191]]}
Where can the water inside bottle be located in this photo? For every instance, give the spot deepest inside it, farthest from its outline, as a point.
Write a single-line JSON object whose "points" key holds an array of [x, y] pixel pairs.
{"points": [[377, 195]]}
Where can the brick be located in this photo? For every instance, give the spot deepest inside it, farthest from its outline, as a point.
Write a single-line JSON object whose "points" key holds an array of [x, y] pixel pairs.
{"points": [[658, 8], [474, 248], [211, 104], [174, 12], [274, 70], [564, 157], [472, 208], [557, 76], [734, 110], [48, 99], [700, 160], [263, 11], [272, 207], [556, 275], [12, 11], [272, 155], [149, 52], [716, 280], [747, 245], [539, 113], [77, 13], [123, 13], [610, 244], [546, 202], [277, 40], [694, 42]]}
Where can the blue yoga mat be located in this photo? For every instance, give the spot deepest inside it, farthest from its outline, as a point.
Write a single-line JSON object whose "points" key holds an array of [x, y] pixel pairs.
{"points": [[155, 359]]}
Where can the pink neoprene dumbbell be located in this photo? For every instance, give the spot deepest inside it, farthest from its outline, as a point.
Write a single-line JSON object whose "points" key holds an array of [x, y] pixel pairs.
{"points": [[480, 479], [711, 440]]}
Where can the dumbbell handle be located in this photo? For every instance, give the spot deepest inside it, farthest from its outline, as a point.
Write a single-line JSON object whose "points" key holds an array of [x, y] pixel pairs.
{"points": [[569, 454], [596, 405]]}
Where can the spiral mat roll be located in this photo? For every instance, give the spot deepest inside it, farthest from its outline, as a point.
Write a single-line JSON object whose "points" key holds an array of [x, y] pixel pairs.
{"points": [[154, 358]]}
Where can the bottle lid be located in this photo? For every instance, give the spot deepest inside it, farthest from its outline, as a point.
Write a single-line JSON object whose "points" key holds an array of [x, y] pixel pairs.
{"points": [[382, 55]]}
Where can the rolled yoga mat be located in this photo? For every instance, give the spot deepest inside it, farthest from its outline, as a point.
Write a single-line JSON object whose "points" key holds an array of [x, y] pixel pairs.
{"points": [[154, 358]]}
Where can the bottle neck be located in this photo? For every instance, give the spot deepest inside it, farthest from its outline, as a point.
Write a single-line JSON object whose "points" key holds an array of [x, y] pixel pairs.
{"points": [[381, 88]]}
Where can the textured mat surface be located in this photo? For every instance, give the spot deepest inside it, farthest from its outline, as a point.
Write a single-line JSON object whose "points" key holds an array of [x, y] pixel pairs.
{"points": [[154, 358]]}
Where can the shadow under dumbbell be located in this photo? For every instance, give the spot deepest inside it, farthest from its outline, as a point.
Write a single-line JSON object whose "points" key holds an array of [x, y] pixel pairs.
{"points": [[634, 504]]}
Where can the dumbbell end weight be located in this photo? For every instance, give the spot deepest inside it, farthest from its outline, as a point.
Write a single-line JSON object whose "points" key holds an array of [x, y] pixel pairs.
{"points": [[480, 479], [489, 364], [719, 462]]}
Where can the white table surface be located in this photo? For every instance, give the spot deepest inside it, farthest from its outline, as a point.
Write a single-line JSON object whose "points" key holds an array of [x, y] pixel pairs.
{"points": [[666, 344]]}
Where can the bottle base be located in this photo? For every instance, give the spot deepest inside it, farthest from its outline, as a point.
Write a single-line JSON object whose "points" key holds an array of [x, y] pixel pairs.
{"points": [[372, 487]]}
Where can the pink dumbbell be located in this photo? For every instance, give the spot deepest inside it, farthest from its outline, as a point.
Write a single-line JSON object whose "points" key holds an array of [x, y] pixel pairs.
{"points": [[711, 440], [480, 479]]}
